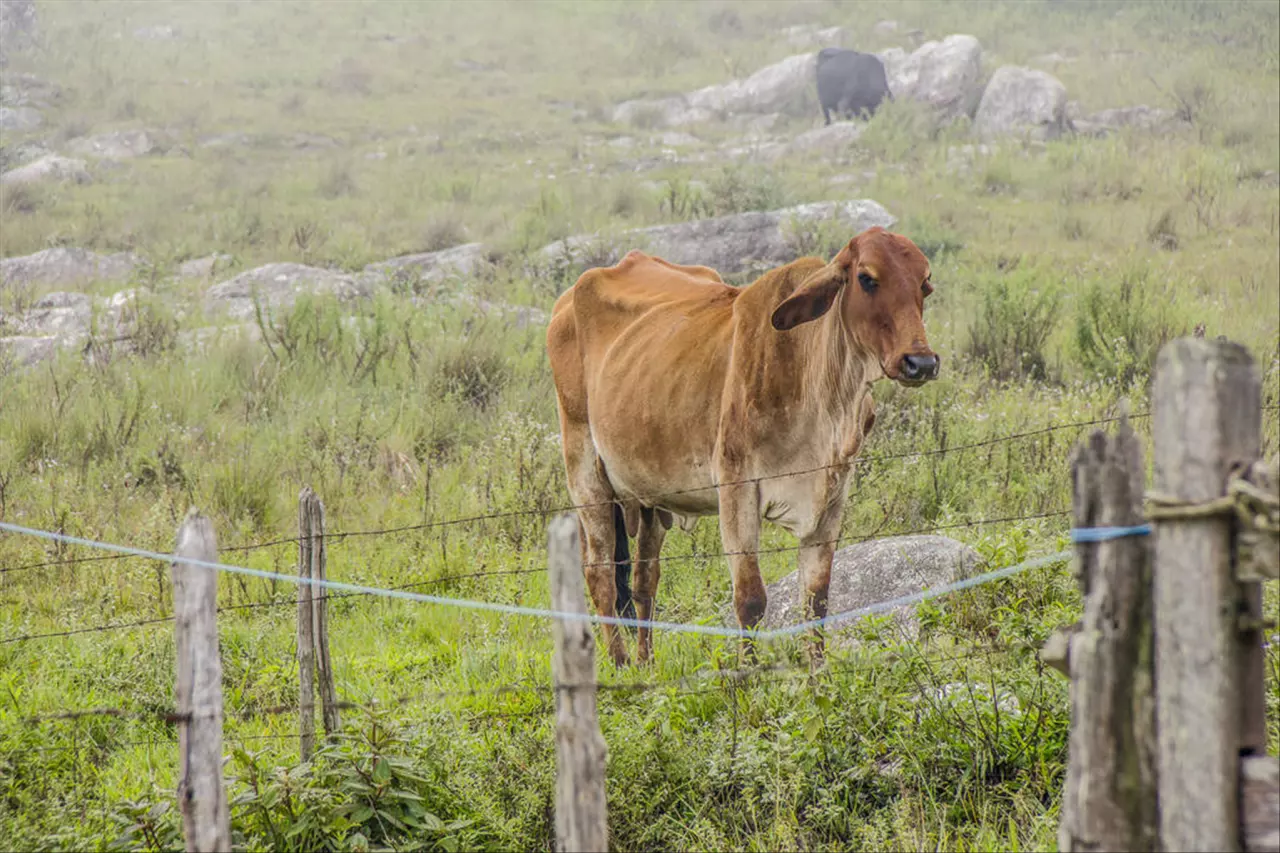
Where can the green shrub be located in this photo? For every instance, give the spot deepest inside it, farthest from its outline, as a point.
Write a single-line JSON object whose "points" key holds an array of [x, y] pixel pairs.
{"points": [[1120, 328], [1017, 312], [739, 189]]}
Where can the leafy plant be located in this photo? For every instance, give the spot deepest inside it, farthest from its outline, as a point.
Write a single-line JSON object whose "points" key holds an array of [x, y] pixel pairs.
{"points": [[1119, 329], [1016, 314]]}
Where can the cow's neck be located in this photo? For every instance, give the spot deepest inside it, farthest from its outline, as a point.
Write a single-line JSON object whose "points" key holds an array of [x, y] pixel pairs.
{"points": [[840, 377]]}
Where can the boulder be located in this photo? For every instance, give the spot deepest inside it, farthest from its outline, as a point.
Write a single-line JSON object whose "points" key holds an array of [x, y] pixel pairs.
{"points": [[118, 145], [62, 315], [48, 169], [20, 154], [465, 260], [1141, 116], [278, 286], [946, 75], [203, 268], [1022, 102], [17, 27], [26, 351], [66, 266], [834, 138], [873, 572], [783, 87], [739, 243], [28, 90], [20, 119]]}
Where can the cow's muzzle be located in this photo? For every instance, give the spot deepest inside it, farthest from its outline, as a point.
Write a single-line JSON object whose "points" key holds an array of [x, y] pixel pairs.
{"points": [[917, 369]]}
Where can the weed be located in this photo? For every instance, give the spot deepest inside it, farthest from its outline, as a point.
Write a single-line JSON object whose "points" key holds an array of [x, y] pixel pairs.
{"points": [[1016, 316], [1119, 329], [736, 189]]}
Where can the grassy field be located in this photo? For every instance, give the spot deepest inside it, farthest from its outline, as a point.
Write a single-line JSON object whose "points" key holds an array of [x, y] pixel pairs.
{"points": [[1059, 270]]}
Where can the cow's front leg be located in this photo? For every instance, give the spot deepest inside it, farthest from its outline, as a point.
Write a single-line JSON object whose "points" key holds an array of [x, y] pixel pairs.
{"points": [[740, 535], [816, 552]]}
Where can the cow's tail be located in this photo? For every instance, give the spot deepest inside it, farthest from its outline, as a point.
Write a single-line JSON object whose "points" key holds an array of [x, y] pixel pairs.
{"points": [[625, 606]]}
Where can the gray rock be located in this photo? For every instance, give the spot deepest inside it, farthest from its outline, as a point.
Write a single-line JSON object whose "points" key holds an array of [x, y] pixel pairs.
{"points": [[66, 266], [1141, 116], [1022, 102], [28, 90], [18, 27], [520, 316], [743, 242], [20, 119], [13, 156], [783, 87], [24, 351], [203, 268], [873, 572], [62, 315], [117, 145], [834, 138], [48, 169], [945, 74], [755, 125], [277, 287], [465, 260], [754, 150], [677, 139]]}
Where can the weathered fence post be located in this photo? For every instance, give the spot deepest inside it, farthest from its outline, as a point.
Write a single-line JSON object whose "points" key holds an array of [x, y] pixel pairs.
{"points": [[1109, 800], [202, 798], [581, 818], [313, 625], [1207, 416]]}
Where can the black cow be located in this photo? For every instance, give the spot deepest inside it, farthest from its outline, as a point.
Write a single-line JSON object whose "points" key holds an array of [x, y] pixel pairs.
{"points": [[850, 83]]}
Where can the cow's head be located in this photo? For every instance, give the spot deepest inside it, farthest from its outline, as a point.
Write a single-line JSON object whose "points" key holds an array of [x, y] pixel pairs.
{"points": [[880, 281]]}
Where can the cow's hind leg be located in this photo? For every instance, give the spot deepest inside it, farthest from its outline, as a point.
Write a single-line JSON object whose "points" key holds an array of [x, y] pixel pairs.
{"points": [[591, 491], [648, 571]]}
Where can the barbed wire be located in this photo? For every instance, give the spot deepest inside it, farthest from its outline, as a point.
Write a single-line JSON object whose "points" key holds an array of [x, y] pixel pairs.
{"points": [[860, 460], [336, 596]]}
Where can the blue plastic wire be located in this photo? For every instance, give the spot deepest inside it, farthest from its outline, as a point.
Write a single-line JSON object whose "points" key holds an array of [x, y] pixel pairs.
{"points": [[518, 610]]}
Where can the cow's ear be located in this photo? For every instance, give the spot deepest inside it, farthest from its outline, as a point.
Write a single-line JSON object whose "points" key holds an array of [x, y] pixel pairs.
{"points": [[816, 296], [813, 299]]}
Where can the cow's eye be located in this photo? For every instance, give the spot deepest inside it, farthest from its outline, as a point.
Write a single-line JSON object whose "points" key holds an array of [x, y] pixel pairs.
{"points": [[927, 287], [868, 283]]}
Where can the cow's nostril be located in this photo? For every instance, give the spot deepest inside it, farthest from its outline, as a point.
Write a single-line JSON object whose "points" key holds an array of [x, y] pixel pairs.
{"points": [[919, 366]]}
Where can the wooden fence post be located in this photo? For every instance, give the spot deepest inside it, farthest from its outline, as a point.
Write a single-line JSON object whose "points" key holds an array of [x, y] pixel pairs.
{"points": [[202, 798], [1207, 416], [581, 818], [1109, 799], [313, 626]]}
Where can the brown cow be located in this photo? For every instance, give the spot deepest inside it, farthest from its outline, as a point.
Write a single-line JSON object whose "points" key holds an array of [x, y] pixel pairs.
{"points": [[682, 395]]}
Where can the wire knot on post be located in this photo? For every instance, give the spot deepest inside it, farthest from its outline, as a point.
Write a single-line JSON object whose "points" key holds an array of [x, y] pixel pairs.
{"points": [[1253, 498]]}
